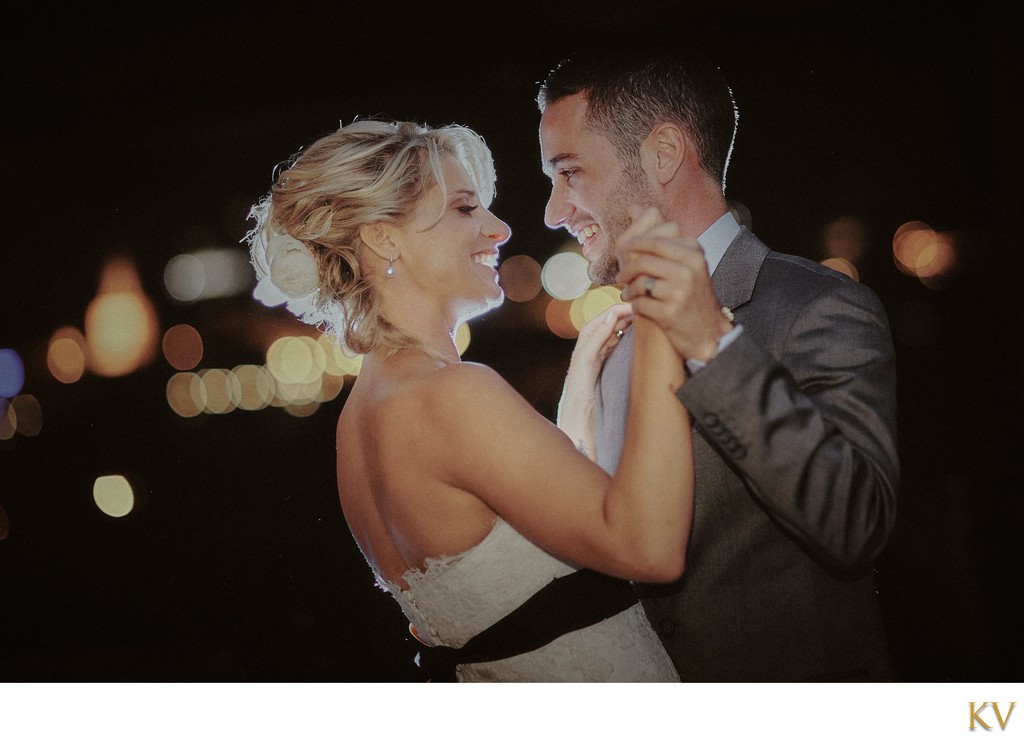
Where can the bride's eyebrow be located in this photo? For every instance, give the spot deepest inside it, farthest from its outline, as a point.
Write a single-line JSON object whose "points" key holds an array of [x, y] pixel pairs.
{"points": [[464, 193]]}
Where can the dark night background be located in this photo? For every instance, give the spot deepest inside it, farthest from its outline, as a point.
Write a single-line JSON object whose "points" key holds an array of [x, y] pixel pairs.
{"points": [[149, 131]]}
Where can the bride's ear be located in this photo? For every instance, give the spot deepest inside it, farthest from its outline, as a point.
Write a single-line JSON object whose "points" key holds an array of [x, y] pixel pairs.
{"points": [[377, 238]]}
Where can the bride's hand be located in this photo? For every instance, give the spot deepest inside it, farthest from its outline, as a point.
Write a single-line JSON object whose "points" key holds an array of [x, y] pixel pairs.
{"points": [[596, 340], [598, 337]]}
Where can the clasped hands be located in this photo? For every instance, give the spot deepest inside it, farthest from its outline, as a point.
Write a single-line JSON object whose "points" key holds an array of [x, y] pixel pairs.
{"points": [[664, 277]]}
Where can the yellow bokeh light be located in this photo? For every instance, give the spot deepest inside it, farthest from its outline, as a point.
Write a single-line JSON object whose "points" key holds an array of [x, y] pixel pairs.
{"points": [[591, 304], [121, 332], [302, 410], [182, 347], [333, 385], [186, 394], [296, 394], [296, 359], [336, 360], [66, 355], [113, 495], [462, 338], [255, 387], [221, 389]]}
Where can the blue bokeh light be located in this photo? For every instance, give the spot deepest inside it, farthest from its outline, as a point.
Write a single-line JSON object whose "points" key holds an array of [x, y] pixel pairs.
{"points": [[12, 373]]}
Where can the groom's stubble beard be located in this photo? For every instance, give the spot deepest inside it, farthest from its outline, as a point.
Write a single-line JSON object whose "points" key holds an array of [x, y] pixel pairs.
{"points": [[631, 189]]}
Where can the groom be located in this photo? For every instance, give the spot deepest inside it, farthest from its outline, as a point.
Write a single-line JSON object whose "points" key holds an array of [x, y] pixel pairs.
{"points": [[791, 379]]}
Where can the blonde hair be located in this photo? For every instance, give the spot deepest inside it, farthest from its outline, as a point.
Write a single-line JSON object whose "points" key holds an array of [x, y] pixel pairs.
{"points": [[366, 172]]}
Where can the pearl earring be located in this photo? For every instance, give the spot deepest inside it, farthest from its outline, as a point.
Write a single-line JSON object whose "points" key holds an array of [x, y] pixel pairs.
{"points": [[389, 272]]}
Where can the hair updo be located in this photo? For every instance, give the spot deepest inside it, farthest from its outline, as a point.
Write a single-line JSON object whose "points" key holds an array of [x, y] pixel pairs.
{"points": [[306, 240]]}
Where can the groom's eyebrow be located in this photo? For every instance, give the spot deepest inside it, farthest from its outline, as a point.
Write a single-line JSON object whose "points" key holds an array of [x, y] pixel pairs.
{"points": [[554, 161]]}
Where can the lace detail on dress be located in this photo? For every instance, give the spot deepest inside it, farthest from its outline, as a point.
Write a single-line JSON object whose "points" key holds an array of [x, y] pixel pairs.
{"points": [[455, 597]]}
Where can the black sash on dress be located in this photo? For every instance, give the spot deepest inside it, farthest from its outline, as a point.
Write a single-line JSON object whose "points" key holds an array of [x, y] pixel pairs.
{"points": [[572, 602]]}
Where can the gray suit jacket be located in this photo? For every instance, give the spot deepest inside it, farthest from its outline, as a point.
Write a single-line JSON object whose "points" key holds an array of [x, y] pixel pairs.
{"points": [[797, 477]]}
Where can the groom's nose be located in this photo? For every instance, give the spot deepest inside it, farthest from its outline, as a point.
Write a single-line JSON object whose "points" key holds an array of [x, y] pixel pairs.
{"points": [[557, 209]]}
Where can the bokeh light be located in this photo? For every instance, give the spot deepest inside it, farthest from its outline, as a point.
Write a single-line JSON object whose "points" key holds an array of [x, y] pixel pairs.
{"points": [[300, 373], [113, 495], [591, 304], [843, 266], [296, 359], [28, 414], [300, 409], [564, 275], [222, 389], [12, 373], [184, 277], [296, 394], [845, 238], [741, 213], [332, 387], [208, 274], [22, 415], [462, 338], [186, 394], [920, 251], [520, 278], [254, 387], [182, 347], [558, 316], [66, 355], [337, 361], [120, 323], [8, 419]]}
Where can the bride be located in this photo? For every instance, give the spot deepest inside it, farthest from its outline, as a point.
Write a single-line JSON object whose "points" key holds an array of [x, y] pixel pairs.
{"points": [[507, 548]]}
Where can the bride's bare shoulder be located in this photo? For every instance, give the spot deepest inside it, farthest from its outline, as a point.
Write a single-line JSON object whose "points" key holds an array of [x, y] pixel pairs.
{"points": [[462, 381], [458, 396]]}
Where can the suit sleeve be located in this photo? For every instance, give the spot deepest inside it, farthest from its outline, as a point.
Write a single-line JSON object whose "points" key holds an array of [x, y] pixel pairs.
{"points": [[811, 425]]}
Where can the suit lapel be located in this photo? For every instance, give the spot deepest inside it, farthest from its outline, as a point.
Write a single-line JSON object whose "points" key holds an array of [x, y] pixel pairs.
{"points": [[733, 281], [736, 274]]}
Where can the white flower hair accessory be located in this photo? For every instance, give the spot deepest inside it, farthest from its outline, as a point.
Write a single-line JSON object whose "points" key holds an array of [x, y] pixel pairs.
{"points": [[289, 275], [292, 266]]}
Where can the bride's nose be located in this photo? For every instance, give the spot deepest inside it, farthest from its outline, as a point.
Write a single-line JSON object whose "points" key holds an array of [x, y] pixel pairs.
{"points": [[498, 231]]}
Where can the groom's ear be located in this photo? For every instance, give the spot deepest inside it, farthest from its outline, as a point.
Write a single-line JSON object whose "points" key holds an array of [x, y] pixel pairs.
{"points": [[663, 152]]}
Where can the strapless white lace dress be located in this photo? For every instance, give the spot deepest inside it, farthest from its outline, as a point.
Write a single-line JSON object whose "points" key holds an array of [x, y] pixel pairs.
{"points": [[456, 597]]}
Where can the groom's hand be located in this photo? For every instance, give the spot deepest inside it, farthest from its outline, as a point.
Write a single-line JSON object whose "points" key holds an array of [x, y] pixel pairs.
{"points": [[665, 277]]}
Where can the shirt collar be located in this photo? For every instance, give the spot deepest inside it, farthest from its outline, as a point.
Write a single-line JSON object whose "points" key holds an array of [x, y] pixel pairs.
{"points": [[715, 240]]}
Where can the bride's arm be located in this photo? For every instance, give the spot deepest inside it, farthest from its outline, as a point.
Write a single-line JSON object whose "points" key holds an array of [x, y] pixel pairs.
{"points": [[576, 407], [498, 448]]}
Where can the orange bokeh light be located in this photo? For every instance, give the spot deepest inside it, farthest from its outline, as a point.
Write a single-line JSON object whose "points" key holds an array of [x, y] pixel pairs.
{"points": [[182, 347], [66, 355], [120, 323]]}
